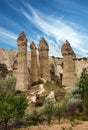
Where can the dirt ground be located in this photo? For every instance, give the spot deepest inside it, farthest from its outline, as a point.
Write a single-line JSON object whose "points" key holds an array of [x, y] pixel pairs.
{"points": [[67, 126]]}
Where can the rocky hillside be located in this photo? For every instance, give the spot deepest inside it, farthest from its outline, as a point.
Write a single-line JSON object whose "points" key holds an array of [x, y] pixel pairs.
{"points": [[9, 58]]}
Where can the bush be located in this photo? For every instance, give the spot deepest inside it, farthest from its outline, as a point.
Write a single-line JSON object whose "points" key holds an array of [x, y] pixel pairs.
{"points": [[33, 118], [49, 110], [59, 110], [56, 80], [38, 103], [37, 82]]}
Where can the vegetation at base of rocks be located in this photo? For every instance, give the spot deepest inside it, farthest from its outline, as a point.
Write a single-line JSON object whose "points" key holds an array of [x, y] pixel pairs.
{"points": [[71, 103], [49, 110], [83, 89], [8, 84], [37, 82], [12, 104], [39, 103], [59, 110], [50, 86], [57, 80]]}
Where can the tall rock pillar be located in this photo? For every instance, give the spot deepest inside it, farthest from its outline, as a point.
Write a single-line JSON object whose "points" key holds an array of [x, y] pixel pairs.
{"points": [[22, 71], [34, 65], [43, 49], [69, 77]]}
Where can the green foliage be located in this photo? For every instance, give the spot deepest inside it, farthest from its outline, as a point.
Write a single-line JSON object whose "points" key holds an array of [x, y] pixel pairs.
{"points": [[8, 84], [49, 110], [34, 118], [60, 109], [11, 106], [50, 86], [37, 82], [83, 88], [57, 80], [39, 103], [72, 95]]}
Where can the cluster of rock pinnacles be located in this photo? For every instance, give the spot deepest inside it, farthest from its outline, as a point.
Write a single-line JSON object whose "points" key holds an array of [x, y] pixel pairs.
{"points": [[42, 70]]}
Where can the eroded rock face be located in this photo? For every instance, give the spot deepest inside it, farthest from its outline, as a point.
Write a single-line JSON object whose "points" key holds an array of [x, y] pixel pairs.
{"points": [[22, 71], [3, 70], [34, 65], [68, 66], [43, 49], [69, 76], [67, 50]]}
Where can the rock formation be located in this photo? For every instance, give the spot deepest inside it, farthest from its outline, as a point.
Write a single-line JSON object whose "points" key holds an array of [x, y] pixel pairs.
{"points": [[22, 71], [34, 65], [15, 62], [68, 65], [43, 49]]}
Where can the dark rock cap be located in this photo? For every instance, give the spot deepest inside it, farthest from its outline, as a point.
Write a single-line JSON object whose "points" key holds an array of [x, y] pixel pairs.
{"points": [[43, 45], [22, 40], [32, 46], [66, 49]]}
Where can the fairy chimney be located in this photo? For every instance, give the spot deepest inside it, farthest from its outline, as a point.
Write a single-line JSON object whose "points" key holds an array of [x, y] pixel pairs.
{"points": [[69, 77], [34, 65], [43, 49], [22, 71]]}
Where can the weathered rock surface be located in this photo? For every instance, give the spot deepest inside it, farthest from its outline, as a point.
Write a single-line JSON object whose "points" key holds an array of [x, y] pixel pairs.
{"points": [[69, 75], [9, 57], [43, 49], [22, 83]]}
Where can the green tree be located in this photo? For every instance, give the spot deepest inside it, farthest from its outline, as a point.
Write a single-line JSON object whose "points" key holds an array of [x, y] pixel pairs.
{"points": [[83, 88], [11, 106], [49, 110], [8, 84]]}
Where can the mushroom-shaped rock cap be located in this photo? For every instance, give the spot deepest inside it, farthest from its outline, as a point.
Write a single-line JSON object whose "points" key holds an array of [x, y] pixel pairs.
{"points": [[66, 49], [22, 40], [43, 45], [32, 46]]}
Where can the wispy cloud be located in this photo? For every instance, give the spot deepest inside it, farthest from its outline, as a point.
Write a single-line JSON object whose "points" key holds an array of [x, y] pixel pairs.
{"points": [[56, 28], [7, 33], [7, 37]]}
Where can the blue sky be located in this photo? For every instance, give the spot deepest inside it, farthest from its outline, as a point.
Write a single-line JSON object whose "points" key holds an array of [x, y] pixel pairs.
{"points": [[55, 20]]}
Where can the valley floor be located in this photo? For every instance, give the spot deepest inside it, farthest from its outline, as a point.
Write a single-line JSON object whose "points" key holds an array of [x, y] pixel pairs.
{"points": [[67, 126]]}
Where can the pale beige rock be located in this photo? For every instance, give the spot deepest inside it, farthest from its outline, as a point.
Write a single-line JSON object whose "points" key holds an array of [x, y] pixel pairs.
{"points": [[69, 76], [51, 96], [34, 65], [22, 71], [43, 49]]}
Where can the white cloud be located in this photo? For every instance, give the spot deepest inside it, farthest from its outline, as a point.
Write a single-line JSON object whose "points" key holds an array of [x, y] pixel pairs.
{"points": [[6, 33], [58, 29]]}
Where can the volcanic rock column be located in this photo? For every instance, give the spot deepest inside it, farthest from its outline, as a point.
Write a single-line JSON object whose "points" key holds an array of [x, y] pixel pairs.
{"points": [[22, 72], [69, 77], [34, 65], [43, 49]]}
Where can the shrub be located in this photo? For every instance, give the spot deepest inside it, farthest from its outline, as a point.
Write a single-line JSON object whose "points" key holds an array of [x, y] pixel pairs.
{"points": [[56, 80], [49, 110], [38, 103], [37, 82], [33, 118], [59, 110]]}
